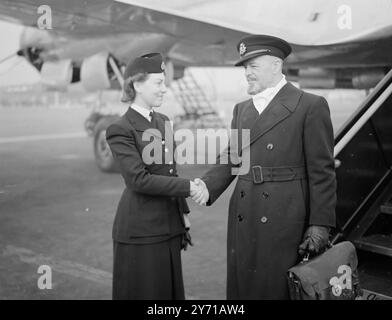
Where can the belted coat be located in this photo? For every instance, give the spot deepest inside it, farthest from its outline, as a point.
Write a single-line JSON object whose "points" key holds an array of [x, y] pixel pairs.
{"points": [[149, 224], [290, 185]]}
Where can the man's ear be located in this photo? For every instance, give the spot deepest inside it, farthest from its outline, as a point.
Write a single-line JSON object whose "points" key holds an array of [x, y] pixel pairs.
{"points": [[278, 65]]}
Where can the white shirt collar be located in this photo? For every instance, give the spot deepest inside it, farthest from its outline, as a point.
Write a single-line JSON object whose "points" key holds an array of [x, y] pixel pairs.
{"points": [[262, 99], [143, 111]]}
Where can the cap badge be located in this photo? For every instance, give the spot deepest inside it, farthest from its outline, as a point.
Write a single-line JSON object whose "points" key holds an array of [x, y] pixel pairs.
{"points": [[242, 48], [163, 66]]}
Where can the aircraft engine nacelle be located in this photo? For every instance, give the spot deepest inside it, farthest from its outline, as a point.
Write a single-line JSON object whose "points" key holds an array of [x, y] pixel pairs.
{"points": [[57, 74], [95, 72], [335, 78]]}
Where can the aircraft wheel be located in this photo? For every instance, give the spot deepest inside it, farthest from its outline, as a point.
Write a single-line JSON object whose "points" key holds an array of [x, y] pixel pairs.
{"points": [[103, 155]]}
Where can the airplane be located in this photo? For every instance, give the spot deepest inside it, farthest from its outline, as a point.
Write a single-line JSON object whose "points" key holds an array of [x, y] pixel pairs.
{"points": [[340, 40], [335, 45]]}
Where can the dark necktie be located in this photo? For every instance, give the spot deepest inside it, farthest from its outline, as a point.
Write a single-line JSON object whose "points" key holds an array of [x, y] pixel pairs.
{"points": [[155, 123], [153, 119]]}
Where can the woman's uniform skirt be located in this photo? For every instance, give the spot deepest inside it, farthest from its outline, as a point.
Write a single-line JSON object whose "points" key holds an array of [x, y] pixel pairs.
{"points": [[148, 271]]}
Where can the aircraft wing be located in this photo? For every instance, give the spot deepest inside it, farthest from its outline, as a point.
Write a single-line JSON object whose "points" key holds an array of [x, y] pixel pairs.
{"points": [[331, 34], [82, 28]]}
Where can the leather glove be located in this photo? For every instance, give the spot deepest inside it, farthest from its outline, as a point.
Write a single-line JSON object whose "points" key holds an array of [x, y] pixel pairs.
{"points": [[316, 239], [186, 240]]}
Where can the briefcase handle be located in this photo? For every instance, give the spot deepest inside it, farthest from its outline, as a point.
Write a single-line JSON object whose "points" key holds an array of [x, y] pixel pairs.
{"points": [[306, 255]]}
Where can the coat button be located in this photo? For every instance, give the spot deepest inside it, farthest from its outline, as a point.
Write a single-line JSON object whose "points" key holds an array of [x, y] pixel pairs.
{"points": [[242, 193], [240, 217], [166, 150], [163, 141], [171, 171], [270, 146], [265, 195], [264, 220], [170, 162]]}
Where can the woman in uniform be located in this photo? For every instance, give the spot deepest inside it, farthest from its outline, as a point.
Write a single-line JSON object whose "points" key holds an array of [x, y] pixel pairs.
{"points": [[149, 228]]}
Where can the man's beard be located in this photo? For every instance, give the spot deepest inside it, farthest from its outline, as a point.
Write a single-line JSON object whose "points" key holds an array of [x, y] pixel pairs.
{"points": [[253, 89]]}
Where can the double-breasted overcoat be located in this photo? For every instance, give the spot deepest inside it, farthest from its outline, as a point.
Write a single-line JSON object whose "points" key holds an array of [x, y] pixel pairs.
{"points": [[290, 185]]}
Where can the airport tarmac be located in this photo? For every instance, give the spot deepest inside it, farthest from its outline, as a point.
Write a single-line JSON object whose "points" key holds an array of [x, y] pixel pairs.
{"points": [[57, 209]]}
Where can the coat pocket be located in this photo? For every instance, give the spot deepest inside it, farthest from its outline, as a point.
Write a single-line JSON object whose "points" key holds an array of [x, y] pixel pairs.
{"points": [[151, 216], [142, 216]]}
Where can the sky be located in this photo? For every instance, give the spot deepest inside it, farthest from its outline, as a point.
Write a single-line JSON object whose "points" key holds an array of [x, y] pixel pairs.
{"points": [[15, 70]]}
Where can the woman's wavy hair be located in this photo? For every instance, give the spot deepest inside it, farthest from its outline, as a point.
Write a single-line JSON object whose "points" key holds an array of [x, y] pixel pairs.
{"points": [[129, 92]]}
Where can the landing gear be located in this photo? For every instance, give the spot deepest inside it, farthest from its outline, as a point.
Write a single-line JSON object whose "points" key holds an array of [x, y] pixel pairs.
{"points": [[103, 155]]}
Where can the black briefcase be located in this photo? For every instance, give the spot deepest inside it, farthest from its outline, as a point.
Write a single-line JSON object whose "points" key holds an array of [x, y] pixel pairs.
{"points": [[332, 275]]}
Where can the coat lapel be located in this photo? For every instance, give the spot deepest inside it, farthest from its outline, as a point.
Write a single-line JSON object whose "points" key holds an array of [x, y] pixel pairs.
{"points": [[250, 116], [281, 107], [139, 122]]}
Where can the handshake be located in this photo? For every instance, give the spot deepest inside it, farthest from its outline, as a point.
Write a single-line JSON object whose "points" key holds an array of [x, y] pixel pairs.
{"points": [[199, 191]]}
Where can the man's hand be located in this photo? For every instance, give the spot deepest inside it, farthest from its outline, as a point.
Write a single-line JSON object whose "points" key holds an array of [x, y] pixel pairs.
{"points": [[315, 240], [196, 190], [202, 195]]}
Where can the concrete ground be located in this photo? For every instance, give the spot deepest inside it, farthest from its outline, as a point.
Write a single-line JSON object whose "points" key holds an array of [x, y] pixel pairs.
{"points": [[57, 209]]}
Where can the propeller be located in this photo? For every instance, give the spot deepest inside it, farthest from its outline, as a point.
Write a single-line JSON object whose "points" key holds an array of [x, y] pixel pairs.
{"points": [[9, 57], [17, 62]]}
